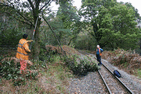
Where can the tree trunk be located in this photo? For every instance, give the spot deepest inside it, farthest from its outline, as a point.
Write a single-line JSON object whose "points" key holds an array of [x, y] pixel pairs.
{"points": [[36, 48]]}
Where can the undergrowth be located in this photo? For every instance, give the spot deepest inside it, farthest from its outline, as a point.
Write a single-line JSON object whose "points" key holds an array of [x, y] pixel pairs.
{"points": [[127, 60], [11, 71]]}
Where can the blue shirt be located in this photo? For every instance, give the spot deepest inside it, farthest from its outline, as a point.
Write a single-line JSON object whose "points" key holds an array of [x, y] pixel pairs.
{"points": [[97, 52]]}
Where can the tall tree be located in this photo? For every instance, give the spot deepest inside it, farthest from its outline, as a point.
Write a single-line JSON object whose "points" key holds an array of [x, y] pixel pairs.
{"points": [[34, 7], [113, 23]]}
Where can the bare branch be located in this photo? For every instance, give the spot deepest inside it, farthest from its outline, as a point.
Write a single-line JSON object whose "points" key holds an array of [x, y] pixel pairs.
{"points": [[31, 4], [45, 4]]}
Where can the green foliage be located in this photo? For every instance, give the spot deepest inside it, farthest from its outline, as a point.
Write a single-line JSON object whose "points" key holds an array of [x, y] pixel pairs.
{"points": [[85, 41], [10, 36], [81, 68], [64, 24], [139, 72], [67, 13], [10, 33], [43, 54], [137, 15], [113, 23], [10, 70], [12, 28], [118, 28], [54, 58]]}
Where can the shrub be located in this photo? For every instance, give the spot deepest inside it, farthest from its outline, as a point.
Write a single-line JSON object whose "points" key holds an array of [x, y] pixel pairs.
{"points": [[81, 68]]}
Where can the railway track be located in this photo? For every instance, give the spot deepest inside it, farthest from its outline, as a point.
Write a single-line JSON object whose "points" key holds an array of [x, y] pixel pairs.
{"points": [[113, 84]]}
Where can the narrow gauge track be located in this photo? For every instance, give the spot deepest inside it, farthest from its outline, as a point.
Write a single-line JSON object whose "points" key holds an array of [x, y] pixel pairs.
{"points": [[113, 84]]}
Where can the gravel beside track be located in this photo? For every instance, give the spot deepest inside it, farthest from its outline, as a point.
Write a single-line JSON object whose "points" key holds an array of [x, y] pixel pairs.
{"points": [[89, 84]]}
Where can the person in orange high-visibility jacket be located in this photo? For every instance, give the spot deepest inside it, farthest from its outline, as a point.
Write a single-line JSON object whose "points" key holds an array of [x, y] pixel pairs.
{"points": [[22, 50]]}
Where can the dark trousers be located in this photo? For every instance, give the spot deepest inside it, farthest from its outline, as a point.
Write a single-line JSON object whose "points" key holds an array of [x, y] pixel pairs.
{"points": [[98, 58]]}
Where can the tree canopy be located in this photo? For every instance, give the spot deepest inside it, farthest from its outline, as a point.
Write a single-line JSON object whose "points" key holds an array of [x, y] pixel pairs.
{"points": [[114, 24]]}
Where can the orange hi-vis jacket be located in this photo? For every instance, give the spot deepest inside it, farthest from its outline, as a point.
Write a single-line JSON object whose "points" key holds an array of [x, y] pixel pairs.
{"points": [[22, 49]]}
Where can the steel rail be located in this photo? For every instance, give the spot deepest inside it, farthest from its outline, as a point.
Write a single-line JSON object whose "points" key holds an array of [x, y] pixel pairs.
{"points": [[105, 83], [129, 91]]}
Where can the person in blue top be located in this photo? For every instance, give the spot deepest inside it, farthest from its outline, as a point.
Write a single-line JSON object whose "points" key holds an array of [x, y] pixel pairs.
{"points": [[98, 54]]}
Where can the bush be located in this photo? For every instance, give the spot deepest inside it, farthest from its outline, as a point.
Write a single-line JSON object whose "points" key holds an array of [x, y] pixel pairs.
{"points": [[81, 68]]}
